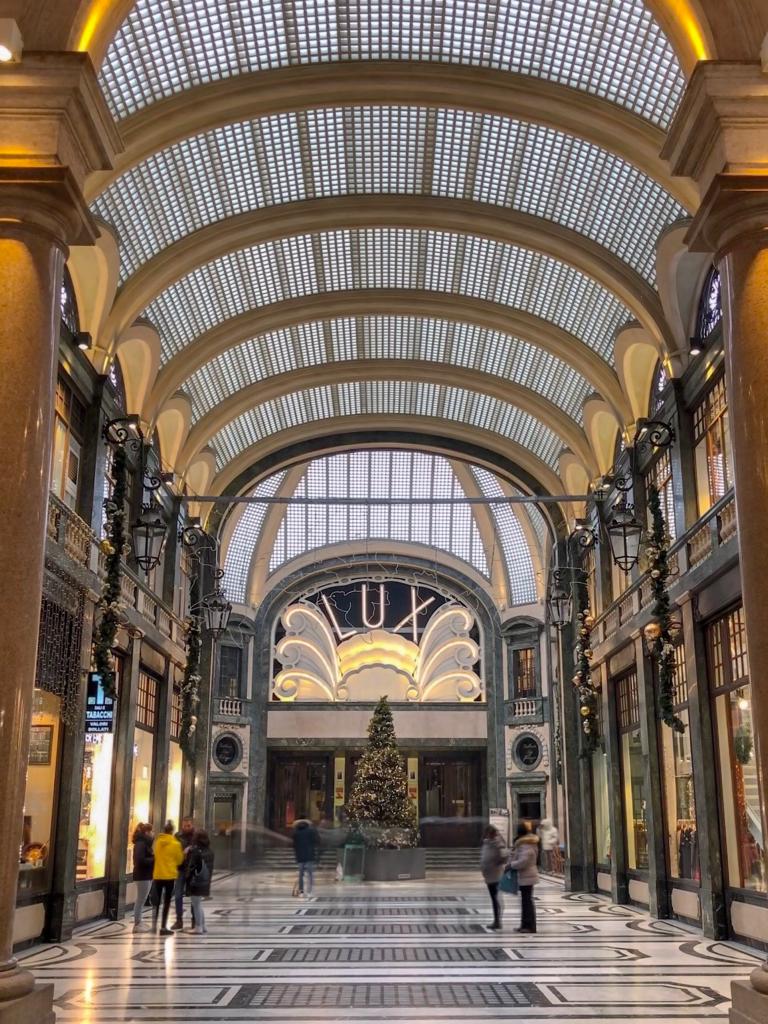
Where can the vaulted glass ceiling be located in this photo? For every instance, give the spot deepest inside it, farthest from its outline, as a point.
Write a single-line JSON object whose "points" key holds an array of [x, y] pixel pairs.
{"points": [[386, 337], [386, 398], [439, 261], [367, 150], [452, 528], [612, 48]]}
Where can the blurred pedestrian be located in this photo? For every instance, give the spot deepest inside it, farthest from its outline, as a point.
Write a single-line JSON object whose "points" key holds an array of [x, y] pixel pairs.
{"points": [[143, 866], [523, 858], [493, 855], [198, 868], [186, 837], [169, 857], [305, 844], [548, 839]]}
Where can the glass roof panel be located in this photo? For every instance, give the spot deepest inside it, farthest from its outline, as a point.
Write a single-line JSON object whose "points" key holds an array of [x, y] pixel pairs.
{"points": [[612, 48], [386, 257], [517, 554], [413, 398], [389, 474], [369, 150], [387, 337], [238, 560]]}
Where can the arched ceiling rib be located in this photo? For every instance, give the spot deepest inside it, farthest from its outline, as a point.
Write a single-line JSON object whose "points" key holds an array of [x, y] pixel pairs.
{"points": [[288, 233], [613, 48], [252, 330], [339, 344], [498, 94], [385, 398], [374, 385], [387, 150]]}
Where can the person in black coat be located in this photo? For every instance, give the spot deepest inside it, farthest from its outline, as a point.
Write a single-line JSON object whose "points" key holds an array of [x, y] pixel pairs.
{"points": [[143, 865], [199, 872], [305, 844]]}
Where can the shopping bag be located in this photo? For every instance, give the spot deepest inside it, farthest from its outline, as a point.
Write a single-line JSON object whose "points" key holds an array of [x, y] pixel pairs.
{"points": [[509, 882]]}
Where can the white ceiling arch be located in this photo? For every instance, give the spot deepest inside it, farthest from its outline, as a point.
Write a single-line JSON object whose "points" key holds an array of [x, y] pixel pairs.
{"points": [[370, 150], [613, 48]]}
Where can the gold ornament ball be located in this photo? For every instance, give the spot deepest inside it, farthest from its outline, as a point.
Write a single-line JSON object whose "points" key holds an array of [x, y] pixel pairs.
{"points": [[652, 631], [589, 621], [584, 712]]}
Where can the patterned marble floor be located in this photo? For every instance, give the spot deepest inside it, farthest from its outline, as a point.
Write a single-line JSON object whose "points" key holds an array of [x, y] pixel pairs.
{"points": [[397, 952]]}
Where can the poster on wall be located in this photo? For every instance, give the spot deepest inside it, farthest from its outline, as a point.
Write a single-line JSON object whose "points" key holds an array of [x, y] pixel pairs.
{"points": [[40, 744], [499, 818]]}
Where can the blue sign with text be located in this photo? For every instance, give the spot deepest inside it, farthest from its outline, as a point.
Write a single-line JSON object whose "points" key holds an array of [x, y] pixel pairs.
{"points": [[99, 708]]}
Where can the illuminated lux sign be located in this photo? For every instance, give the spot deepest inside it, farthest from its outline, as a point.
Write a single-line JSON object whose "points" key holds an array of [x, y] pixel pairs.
{"points": [[368, 610], [99, 708]]}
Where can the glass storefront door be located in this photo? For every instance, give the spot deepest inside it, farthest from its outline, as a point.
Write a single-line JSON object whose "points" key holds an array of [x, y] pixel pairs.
{"points": [[450, 801], [40, 795], [301, 788]]}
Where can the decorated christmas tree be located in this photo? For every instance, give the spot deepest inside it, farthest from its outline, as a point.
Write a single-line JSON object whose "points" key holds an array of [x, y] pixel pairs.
{"points": [[379, 806]]}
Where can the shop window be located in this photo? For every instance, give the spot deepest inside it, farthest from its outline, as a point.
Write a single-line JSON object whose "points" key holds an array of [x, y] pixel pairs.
{"points": [[40, 794], [95, 800], [524, 661], [737, 765], [68, 433], [712, 451], [590, 578], [140, 808], [660, 381], [634, 797], [680, 832], [230, 670], [175, 761], [69, 318], [600, 799], [660, 475]]}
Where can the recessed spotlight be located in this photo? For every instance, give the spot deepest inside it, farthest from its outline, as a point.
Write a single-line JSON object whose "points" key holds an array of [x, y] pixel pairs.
{"points": [[695, 351], [84, 340]]}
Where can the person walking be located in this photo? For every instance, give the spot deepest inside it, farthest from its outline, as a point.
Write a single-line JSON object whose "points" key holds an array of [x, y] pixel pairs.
{"points": [[169, 857], [523, 857], [493, 855], [548, 837], [198, 869], [305, 843], [143, 866], [186, 837]]}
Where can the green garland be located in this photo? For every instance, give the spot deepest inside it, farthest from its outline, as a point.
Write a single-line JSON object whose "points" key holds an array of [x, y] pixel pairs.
{"points": [[110, 604], [190, 689], [589, 695], [658, 632]]}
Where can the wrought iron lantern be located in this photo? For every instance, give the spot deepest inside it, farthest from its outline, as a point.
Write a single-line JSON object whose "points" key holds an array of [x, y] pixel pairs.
{"points": [[149, 532], [624, 535], [560, 606], [216, 610]]}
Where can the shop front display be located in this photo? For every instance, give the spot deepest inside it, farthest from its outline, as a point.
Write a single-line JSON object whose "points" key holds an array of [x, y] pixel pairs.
{"points": [[175, 762], [634, 797], [140, 805], [680, 829], [96, 787], [40, 795]]}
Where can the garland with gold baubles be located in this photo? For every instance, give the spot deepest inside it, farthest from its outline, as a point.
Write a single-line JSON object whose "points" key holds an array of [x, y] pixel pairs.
{"points": [[658, 632], [588, 694], [190, 689], [114, 546]]}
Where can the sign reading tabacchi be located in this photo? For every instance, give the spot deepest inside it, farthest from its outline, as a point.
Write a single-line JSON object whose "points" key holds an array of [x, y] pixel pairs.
{"points": [[99, 708]]}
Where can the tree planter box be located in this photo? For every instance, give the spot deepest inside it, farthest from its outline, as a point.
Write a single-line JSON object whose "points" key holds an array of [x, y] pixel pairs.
{"points": [[395, 865]]}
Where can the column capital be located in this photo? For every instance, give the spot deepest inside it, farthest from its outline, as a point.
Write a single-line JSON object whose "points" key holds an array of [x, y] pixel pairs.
{"points": [[55, 130], [718, 138]]}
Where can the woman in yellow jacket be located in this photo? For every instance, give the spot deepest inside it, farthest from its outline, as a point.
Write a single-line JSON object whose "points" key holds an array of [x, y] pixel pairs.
{"points": [[169, 856]]}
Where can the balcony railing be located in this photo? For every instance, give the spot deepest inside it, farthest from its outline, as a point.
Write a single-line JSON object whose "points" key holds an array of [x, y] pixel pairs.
{"points": [[229, 707], [711, 532], [525, 709], [67, 529]]}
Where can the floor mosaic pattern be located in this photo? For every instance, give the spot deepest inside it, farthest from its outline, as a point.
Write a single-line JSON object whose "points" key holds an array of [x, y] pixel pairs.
{"points": [[397, 952]]}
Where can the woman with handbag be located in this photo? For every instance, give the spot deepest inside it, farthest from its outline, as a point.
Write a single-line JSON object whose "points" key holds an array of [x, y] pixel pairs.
{"points": [[493, 854], [523, 860]]}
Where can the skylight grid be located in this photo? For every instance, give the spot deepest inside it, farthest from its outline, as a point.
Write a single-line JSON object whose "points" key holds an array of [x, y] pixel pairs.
{"points": [[387, 475], [388, 337], [612, 48], [386, 398], [458, 154], [517, 554], [245, 538], [387, 257]]}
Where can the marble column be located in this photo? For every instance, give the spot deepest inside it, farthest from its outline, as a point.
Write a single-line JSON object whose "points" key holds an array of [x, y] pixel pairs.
{"points": [[55, 129], [719, 139]]}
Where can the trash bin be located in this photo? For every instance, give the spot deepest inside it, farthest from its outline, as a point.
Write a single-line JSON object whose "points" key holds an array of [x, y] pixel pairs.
{"points": [[353, 861]]}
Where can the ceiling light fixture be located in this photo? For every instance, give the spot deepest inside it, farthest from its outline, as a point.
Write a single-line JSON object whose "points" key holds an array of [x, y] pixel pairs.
{"points": [[10, 41]]}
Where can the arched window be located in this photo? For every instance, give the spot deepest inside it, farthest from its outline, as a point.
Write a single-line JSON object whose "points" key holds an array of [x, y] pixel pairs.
{"points": [[69, 317], [710, 311], [115, 377]]}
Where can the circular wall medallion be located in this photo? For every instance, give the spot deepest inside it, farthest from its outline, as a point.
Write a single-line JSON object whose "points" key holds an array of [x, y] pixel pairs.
{"points": [[227, 751], [527, 752]]}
